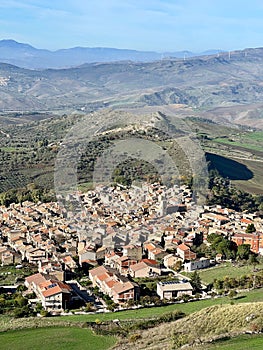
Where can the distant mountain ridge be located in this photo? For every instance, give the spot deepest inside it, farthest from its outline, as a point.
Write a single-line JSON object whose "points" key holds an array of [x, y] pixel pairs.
{"points": [[220, 83], [27, 56]]}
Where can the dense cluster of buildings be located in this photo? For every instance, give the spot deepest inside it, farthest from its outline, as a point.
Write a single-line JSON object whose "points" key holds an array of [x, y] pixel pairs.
{"points": [[124, 233]]}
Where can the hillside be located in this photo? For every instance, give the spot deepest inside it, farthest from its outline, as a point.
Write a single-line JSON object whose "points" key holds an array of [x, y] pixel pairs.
{"points": [[29, 144], [200, 327], [214, 87]]}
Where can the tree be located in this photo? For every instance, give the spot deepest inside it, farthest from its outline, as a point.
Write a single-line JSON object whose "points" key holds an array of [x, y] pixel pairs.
{"points": [[218, 284], [232, 294], [250, 228], [243, 251], [21, 288], [252, 260], [196, 282], [178, 265], [20, 301]]}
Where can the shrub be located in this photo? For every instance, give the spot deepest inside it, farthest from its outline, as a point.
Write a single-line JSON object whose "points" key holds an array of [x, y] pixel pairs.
{"points": [[44, 313], [134, 337]]}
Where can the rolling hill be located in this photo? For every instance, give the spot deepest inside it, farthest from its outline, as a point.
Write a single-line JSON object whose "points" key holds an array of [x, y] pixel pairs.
{"points": [[214, 87], [199, 328]]}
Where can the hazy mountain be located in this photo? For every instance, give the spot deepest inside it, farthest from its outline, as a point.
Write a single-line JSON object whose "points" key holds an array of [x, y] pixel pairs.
{"points": [[200, 83], [26, 56]]}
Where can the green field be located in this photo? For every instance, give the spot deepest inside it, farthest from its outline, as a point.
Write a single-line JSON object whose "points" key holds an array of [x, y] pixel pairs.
{"points": [[243, 342], [250, 140], [188, 308], [59, 338], [6, 322], [248, 146], [227, 269], [67, 332], [256, 136]]}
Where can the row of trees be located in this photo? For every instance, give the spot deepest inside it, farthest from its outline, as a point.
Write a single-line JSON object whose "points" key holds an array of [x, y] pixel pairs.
{"points": [[244, 282]]}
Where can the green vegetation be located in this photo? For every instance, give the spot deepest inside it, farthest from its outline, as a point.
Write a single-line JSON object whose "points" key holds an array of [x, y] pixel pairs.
{"points": [[9, 275], [201, 328], [221, 245], [223, 193], [29, 193], [59, 338], [144, 313], [131, 321], [227, 269], [244, 342], [248, 140]]}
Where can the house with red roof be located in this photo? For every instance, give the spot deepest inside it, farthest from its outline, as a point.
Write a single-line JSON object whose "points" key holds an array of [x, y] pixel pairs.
{"points": [[53, 294], [185, 252], [145, 268], [110, 282]]}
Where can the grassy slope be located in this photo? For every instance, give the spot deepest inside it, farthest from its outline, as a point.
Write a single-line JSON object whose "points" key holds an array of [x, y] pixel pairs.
{"points": [[58, 338], [29, 328], [203, 325], [244, 342], [7, 323], [221, 271]]}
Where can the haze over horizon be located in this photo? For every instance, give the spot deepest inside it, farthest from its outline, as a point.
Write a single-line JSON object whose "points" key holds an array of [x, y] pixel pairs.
{"points": [[156, 25]]}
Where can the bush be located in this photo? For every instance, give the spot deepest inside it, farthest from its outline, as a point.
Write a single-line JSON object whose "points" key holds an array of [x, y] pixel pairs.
{"points": [[24, 311], [134, 337], [45, 313]]}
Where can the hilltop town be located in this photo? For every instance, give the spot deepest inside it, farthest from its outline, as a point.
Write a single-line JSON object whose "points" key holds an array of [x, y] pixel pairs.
{"points": [[120, 236]]}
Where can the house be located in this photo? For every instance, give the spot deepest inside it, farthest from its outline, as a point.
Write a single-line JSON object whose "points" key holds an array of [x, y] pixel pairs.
{"points": [[31, 282], [157, 254], [145, 268], [202, 263], [123, 263], [52, 268], [69, 263], [123, 292], [185, 252], [54, 295], [154, 251], [170, 260], [255, 240], [10, 257], [110, 282], [87, 254], [216, 218], [173, 289], [133, 251], [35, 254]]}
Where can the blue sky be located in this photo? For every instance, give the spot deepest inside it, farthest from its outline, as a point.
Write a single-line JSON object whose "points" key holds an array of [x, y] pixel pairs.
{"points": [[159, 25]]}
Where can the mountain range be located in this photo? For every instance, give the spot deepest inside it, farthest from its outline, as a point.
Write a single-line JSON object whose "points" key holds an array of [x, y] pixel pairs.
{"points": [[225, 87], [27, 56]]}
